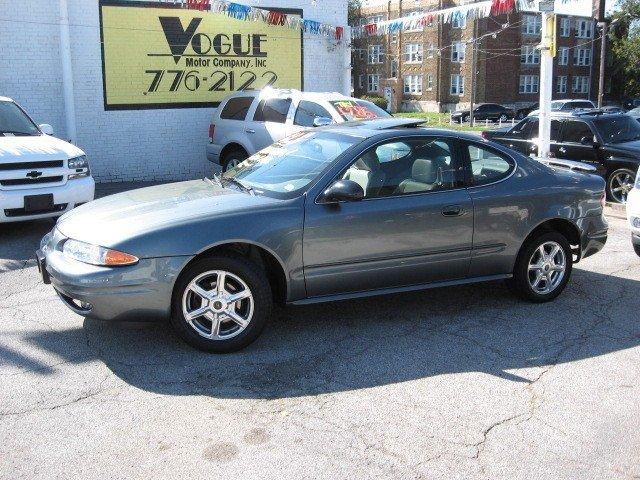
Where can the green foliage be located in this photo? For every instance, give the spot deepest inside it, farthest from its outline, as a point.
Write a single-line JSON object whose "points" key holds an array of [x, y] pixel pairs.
{"points": [[625, 45], [376, 99]]}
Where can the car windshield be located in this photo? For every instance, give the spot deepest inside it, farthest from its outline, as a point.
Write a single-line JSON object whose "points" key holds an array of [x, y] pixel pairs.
{"points": [[619, 129], [13, 121], [289, 165], [556, 105], [354, 110]]}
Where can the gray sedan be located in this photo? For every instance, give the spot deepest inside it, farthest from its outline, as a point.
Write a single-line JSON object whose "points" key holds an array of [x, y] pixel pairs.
{"points": [[352, 210]]}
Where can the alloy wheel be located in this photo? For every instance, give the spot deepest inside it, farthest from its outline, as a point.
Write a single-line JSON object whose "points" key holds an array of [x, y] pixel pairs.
{"points": [[218, 305], [621, 183], [547, 267], [232, 163]]}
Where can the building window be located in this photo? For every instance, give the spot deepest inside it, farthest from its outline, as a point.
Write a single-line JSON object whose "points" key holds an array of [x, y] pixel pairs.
{"points": [[529, 83], [582, 57], [360, 81], [413, 84], [531, 24], [457, 52], [373, 83], [431, 51], [580, 85], [375, 54], [394, 67], [361, 53], [563, 56], [565, 27], [459, 20], [394, 37], [375, 19], [562, 84], [415, 25], [429, 81], [529, 55], [412, 53], [457, 85], [584, 28]]}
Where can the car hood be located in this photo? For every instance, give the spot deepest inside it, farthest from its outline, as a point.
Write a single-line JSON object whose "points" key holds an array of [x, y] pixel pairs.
{"points": [[36, 148], [628, 148], [118, 218]]}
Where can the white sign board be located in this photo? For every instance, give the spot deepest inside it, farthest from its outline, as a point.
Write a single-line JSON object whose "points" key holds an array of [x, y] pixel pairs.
{"points": [[576, 8]]}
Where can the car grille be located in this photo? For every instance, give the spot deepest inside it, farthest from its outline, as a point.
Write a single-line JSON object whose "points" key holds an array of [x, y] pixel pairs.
{"points": [[13, 182], [31, 165], [20, 212]]}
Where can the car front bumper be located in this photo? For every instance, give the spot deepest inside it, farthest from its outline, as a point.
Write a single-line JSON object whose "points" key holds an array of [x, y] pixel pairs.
{"points": [[71, 194], [136, 292], [213, 152]]}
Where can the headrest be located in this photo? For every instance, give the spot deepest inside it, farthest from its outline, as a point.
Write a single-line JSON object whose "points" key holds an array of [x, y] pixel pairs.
{"points": [[368, 161], [424, 170]]}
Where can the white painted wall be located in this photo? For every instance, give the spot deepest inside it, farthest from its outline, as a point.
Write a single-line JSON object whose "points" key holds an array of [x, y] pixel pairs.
{"points": [[163, 144]]}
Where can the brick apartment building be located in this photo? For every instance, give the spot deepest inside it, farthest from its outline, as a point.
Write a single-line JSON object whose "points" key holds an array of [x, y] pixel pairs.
{"points": [[430, 68]]}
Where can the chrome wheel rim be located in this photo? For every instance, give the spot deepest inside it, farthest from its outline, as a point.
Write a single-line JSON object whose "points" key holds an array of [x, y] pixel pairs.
{"points": [[218, 305], [621, 184], [547, 267], [234, 162], [503, 118]]}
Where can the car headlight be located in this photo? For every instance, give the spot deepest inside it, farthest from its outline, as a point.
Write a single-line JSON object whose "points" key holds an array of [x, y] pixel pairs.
{"points": [[96, 255], [80, 165]]}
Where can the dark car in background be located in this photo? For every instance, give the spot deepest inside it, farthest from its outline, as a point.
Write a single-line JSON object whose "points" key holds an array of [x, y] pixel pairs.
{"points": [[635, 113], [485, 111], [525, 111], [611, 142]]}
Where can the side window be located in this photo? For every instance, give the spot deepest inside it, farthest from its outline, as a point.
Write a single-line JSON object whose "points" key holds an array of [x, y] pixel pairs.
{"points": [[555, 130], [573, 131], [307, 112], [272, 110], [236, 108], [405, 167], [488, 166], [530, 130]]}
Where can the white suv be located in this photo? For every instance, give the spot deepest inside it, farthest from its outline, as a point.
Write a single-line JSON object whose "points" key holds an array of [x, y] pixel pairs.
{"points": [[40, 175], [633, 214], [248, 121], [567, 106]]}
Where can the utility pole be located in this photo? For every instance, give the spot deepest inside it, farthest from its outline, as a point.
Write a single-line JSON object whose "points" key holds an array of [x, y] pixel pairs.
{"points": [[67, 73], [474, 68], [547, 52], [603, 52]]}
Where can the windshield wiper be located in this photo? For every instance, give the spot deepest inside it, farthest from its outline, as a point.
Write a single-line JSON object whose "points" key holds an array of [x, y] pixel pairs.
{"points": [[238, 184], [14, 132]]}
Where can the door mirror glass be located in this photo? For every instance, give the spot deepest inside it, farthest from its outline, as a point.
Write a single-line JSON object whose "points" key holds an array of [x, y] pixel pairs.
{"points": [[322, 121], [343, 191], [46, 128]]}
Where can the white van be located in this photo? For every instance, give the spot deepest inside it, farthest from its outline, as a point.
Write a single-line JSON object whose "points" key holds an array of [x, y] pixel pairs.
{"points": [[40, 176]]}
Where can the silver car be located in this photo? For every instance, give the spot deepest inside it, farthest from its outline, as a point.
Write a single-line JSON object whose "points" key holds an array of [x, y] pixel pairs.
{"points": [[353, 210]]}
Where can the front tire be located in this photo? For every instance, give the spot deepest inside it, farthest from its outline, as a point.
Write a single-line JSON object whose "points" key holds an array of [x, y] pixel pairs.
{"points": [[619, 184], [503, 118], [636, 248], [221, 304], [543, 268]]}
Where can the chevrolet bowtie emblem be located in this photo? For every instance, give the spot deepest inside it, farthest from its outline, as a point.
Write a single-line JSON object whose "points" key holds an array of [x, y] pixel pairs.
{"points": [[34, 174]]}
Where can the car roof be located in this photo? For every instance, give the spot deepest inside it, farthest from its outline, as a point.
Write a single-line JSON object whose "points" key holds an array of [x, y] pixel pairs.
{"points": [[281, 92], [585, 114], [6, 99]]}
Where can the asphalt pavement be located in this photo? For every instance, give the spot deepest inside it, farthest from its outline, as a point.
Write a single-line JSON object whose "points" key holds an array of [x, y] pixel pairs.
{"points": [[462, 382]]}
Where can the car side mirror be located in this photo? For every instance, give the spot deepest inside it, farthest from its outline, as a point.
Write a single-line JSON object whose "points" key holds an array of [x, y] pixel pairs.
{"points": [[46, 128], [342, 191], [322, 121]]}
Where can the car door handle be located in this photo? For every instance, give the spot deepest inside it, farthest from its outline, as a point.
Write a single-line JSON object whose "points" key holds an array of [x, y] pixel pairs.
{"points": [[562, 150], [249, 130], [452, 211]]}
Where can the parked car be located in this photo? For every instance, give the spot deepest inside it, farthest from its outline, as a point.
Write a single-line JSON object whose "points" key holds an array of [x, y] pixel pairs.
{"points": [[369, 208], [525, 111], [633, 214], [40, 176], [631, 103], [485, 111], [567, 106], [611, 142], [635, 113], [613, 109], [248, 121]]}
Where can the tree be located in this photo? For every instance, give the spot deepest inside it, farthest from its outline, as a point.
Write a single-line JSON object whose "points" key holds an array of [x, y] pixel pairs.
{"points": [[625, 45]]}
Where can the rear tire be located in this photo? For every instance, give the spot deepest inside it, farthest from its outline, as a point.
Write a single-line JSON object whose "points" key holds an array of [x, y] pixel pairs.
{"points": [[636, 248], [619, 183], [224, 325], [503, 118], [540, 277], [233, 158]]}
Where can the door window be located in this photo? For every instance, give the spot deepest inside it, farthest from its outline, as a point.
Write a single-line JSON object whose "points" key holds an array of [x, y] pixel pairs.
{"points": [[272, 110], [236, 108], [405, 167], [307, 112], [574, 131], [488, 166]]}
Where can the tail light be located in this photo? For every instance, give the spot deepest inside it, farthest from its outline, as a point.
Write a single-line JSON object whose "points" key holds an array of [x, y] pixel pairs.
{"points": [[603, 200], [212, 131], [485, 135]]}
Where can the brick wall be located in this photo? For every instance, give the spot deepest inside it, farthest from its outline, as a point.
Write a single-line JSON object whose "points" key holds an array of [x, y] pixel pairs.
{"points": [[164, 144]]}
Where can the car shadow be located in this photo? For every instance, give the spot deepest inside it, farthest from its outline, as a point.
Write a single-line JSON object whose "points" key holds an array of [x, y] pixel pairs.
{"points": [[19, 242], [360, 344]]}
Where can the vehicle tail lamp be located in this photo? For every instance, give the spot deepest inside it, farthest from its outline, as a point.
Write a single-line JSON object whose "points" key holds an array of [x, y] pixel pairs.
{"points": [[484, 135], [96, 255], [212, 131]]}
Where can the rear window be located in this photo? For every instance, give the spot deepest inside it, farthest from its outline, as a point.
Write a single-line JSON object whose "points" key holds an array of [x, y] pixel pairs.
{"points": [[236, 108], [272, 110], [572, 105], [353, 110]]}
